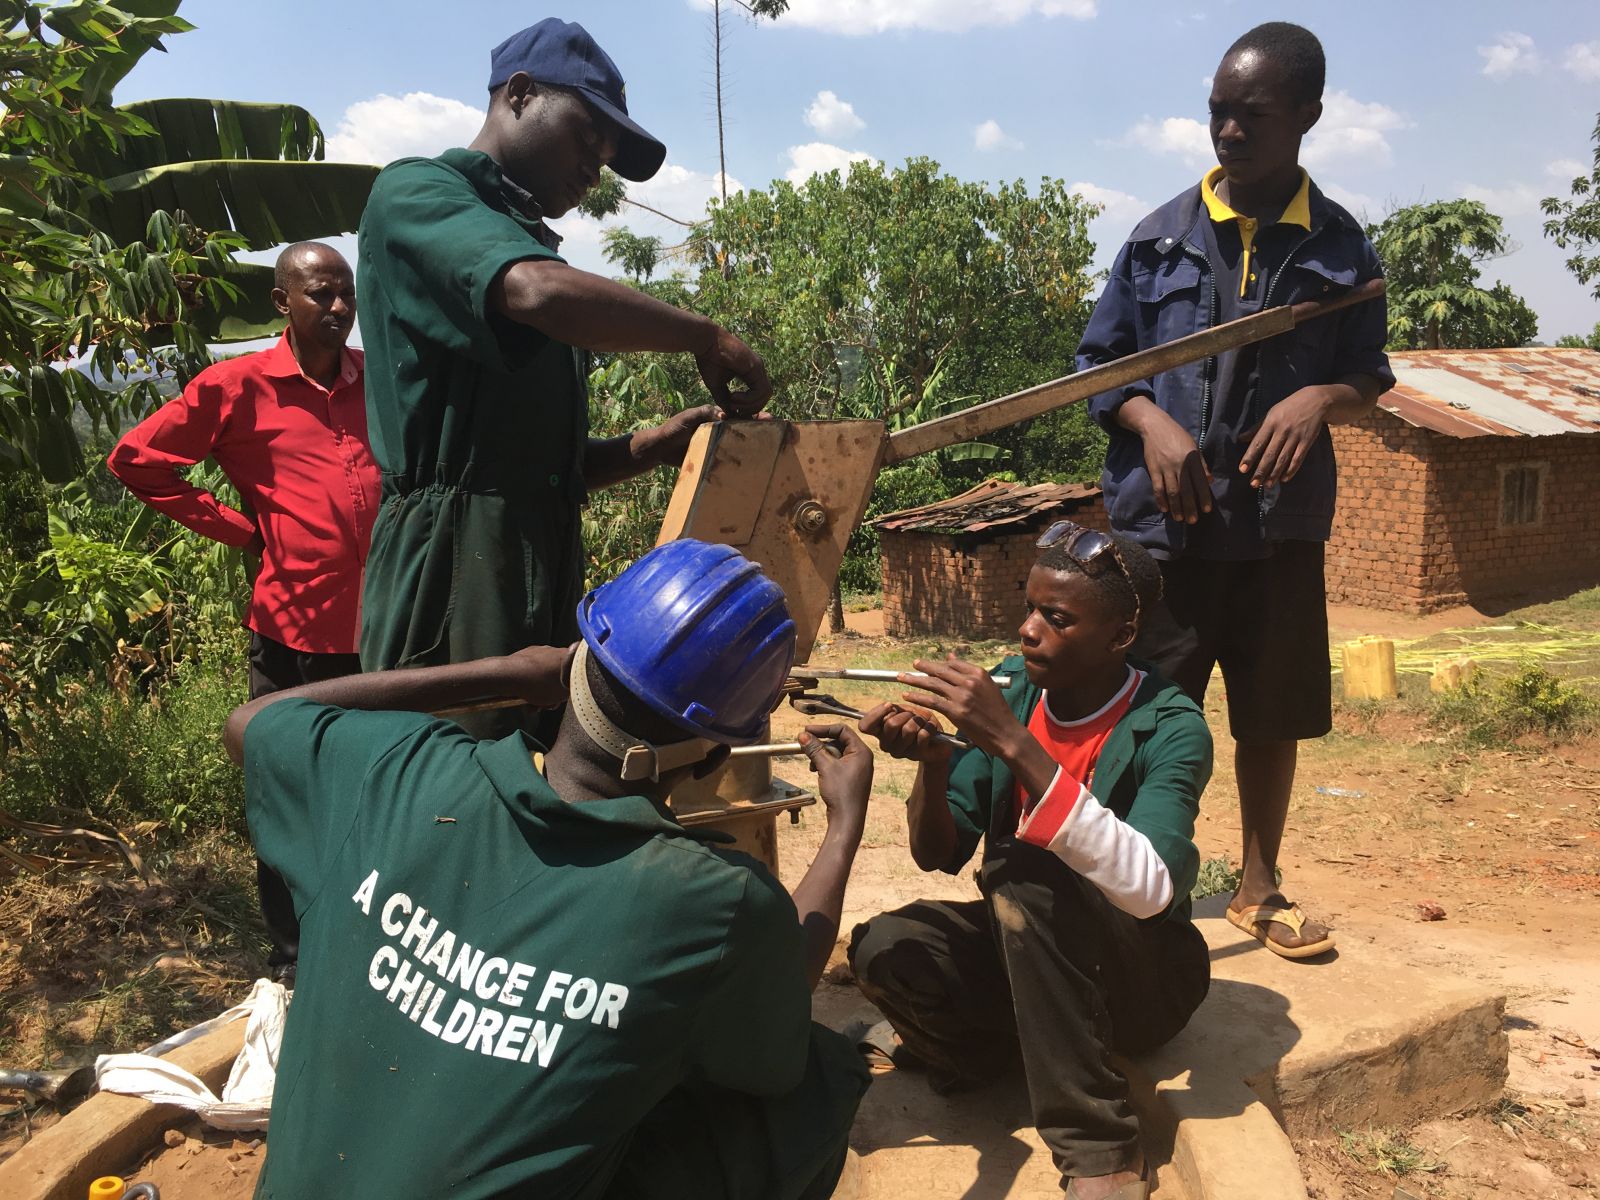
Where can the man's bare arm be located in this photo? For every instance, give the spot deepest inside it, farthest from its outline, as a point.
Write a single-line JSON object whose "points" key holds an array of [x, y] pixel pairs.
{"points": [[594, 313], [536, 676]]}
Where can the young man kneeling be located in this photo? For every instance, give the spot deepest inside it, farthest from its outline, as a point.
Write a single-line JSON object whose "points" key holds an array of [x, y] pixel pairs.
{"points": [[527, 979], [1083, 784]]}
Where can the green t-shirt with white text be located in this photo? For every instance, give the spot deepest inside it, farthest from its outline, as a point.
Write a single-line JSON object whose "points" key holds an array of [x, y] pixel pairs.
{"points": [[495, 986]]}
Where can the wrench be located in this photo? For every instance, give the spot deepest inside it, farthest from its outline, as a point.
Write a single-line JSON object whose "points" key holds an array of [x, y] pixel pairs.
{"points": [[868, 674], [817, 705]]}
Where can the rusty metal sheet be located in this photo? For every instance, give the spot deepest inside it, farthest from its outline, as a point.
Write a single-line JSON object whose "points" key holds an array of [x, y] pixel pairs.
{"points": [[1529, 391], [992, 504]]}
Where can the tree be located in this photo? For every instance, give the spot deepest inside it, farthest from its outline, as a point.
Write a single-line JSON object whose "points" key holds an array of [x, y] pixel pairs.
{"points": [[1430, 255], [876, 293], [842, 277], [1574, 223], [1576, 341], [772, 10], [118, 225], [636, 255]]}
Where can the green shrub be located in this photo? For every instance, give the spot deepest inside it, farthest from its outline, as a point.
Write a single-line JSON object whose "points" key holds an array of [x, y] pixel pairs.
{"points": [[124, 756], [1531, 700]]}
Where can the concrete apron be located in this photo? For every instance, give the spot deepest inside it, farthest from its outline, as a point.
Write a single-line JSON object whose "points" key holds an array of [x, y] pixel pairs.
{"points": [[1280, 1050]]}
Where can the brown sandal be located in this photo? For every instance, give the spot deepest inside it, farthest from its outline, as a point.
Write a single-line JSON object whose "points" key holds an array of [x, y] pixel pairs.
{"points": [[1256, 918]]}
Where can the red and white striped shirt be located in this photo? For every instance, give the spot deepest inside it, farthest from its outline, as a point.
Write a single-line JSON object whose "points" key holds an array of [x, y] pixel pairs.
{"points": [[1070, 822]]}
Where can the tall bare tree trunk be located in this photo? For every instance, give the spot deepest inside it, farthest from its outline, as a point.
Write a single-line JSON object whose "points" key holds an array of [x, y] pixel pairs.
{"points": [[836, 609], [716, 64]]}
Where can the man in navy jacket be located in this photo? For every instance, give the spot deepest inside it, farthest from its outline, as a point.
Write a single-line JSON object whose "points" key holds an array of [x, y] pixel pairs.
{"points": [[1224, 469]]}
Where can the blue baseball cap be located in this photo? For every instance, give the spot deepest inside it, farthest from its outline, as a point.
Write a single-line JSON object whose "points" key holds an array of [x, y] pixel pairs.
{"points": [[562, 53]]}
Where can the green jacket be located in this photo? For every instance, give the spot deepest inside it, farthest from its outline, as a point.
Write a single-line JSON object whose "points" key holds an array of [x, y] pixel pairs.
{"points": [[1150, 774], [478, 424]]}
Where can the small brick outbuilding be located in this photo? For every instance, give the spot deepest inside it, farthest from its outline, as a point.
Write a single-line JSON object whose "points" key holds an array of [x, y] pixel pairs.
{"points": [[1476, 481], [959, 567]]}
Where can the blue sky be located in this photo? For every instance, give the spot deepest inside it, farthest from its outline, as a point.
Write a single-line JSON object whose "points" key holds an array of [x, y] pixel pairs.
{"points": [[1425, 100]]}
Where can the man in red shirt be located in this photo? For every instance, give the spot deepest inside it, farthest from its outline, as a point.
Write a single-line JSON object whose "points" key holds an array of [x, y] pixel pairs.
{"points": [[288, 427]]}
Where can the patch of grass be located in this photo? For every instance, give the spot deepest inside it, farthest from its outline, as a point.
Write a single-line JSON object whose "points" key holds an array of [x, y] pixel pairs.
{"points": [[1364, 716], [862, 601], [1217, 877], [1530, 700], [1388, 1152]]}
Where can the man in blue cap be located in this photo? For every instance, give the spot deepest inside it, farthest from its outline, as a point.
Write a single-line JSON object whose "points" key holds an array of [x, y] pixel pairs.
{"points": [[478, 337], [527, 979]]}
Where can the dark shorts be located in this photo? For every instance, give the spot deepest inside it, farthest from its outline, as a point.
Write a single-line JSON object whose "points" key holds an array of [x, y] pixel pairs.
{"points": [[275, 667], [1265, 622]]}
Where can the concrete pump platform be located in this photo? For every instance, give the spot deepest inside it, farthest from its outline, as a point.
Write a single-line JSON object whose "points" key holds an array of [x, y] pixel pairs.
{"points": [[1279, 1049]]}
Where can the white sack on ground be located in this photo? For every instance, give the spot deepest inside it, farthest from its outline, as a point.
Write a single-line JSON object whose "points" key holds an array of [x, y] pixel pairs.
{"points": [[247, 1097]]}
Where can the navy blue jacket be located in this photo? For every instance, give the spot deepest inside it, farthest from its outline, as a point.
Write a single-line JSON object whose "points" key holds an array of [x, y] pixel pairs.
{"points": [[1162, 288]]}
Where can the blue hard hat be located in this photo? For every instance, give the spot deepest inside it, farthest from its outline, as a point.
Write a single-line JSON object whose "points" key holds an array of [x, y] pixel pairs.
{"points": [[699, 634]]}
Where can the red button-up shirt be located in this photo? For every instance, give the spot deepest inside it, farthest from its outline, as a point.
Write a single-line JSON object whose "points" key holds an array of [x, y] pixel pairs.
{"points": [[299, 455]]}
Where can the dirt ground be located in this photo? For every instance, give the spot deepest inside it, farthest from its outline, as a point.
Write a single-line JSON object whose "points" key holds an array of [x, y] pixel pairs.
{"points": [[1476, 863]]}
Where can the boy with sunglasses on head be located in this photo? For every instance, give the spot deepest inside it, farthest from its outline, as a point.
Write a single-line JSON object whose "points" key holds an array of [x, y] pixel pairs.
{"points": [[1083, 784]]}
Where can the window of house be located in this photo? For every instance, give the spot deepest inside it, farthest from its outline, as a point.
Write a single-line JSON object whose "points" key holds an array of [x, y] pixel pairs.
{"points": [[1521, 494]]}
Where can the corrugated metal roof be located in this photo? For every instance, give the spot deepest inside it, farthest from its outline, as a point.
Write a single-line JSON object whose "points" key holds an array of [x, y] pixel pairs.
{"points": [[1531, 391], [992, 504]]}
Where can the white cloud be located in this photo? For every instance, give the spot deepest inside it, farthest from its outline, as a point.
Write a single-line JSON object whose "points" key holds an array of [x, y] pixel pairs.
{"points": [[1359, 205], [1183, 136], [989, 136], [833, 117], [1583, 60], [1513, 200], [945, 16], [1510, 54], [387, 127], [1116, 208], [1566, 169], [1352, 132], [818, 158]]}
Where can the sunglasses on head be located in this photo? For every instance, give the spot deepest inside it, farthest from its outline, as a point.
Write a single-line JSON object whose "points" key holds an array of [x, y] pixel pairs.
{"points": [[1084, 546]]}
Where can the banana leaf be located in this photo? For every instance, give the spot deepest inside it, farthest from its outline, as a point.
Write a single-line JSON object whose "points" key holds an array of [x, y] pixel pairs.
{"points": [[245, 316], [268, 202], [192, 130]]}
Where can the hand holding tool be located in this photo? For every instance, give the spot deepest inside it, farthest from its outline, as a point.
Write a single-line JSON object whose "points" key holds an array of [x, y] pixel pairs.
{"points": [[813, 705], [868, 674]]}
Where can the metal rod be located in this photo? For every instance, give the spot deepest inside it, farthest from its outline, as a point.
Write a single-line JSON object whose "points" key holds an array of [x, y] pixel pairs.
{"points": [[871, 674], [985, 418], [768, 750], [712, 816]]}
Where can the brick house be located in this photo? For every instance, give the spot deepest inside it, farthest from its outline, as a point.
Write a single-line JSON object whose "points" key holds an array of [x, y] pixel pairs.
{"points": [[1476, 481], [958, 567]]}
